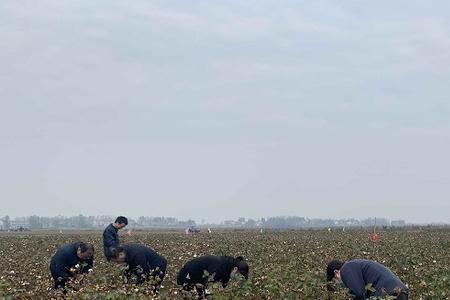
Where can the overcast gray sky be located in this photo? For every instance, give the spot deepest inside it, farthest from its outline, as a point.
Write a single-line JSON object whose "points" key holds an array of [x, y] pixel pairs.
{"points": [[221, 109]]}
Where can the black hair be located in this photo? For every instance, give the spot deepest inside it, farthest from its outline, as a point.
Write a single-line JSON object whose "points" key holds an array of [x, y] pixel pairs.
{"points": [[86, 247], [331, 267], [122, 220], [115, 251], [242, 266]]}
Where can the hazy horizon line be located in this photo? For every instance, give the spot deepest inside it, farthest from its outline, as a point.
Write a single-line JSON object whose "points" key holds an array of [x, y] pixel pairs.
{"points": [[201, 220]]}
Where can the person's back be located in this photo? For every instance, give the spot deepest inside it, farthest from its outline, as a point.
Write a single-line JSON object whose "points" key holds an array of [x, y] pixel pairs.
{"points": [[356, 274], [219, 267], [140, 255]]}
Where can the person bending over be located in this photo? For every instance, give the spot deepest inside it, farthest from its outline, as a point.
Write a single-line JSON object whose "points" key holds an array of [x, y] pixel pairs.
{"points": [[356, 274], [143, 263], [205, 269], [71, 260]]}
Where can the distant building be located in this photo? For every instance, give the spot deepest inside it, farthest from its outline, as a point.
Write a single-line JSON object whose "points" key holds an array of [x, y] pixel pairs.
{"points": [[398, 223], [17, 224]]}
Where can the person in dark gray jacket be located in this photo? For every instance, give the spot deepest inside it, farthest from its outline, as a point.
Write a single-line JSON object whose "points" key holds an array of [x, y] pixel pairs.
{"points": [[111, 236], [70, 260], [357, 274]]}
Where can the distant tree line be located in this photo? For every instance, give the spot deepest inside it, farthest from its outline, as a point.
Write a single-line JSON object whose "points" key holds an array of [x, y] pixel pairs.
{"points": [[88, 222], [97, 222], [292, 222]]}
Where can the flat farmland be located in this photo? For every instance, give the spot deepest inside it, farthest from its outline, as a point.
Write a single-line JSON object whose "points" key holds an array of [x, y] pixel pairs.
{"points": [[283, 265]]}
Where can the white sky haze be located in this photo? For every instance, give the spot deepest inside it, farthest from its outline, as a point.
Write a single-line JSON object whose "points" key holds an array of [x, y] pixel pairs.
{"points": [[222, 109]]}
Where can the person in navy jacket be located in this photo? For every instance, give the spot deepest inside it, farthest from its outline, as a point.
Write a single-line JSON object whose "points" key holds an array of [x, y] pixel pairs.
{"points": [[143, 262], [69, 260], [357, 274], [111, 236], [204, 269]]}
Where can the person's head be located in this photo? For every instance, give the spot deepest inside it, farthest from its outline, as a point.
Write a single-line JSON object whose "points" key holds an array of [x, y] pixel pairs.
{"points": [[334, 273], [121, 222], [240, 266], [118, 254], [85, 251]]}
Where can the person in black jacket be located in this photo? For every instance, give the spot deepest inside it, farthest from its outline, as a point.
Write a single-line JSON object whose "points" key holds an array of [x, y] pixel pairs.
{"points": [[143, 262], [69, 260], [357, 274], [204, 269], [111, 236]]}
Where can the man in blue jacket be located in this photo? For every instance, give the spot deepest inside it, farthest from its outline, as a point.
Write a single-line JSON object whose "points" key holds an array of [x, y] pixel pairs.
{"points": [[111, 236], [357, 274], [143, 263], [70, 260]]}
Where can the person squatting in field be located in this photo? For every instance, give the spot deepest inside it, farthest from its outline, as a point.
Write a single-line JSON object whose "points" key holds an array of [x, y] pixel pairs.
{"points": [[356, 274], [111, 236], [63, 264], [143, 262], [204, 269]]}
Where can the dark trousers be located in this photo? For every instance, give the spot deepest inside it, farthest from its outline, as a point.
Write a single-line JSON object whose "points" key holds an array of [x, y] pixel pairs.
{"points": [[158, 275], [107, 253], [60, 283], [199, 288], [59, 279], [403, 296]]}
